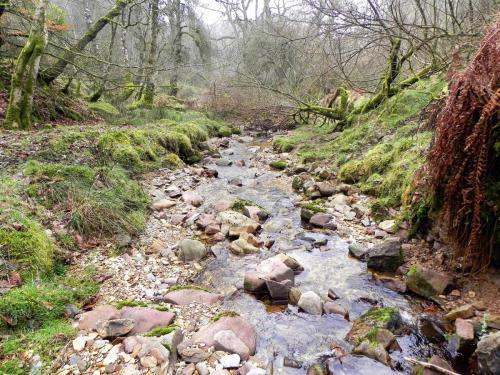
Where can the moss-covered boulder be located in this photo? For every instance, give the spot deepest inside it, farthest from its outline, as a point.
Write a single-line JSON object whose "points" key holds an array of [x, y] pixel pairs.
{"points": [[280, 165], [426, 282], [368, 325]]}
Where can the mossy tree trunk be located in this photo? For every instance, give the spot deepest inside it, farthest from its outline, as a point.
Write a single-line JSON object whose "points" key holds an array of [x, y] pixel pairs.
{"points": [[18, 114], [149, 86], [50, 74], [102, 87]]}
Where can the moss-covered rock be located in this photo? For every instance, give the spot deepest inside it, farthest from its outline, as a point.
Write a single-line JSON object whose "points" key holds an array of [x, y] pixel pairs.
{"points": [[278, 164], [427, 282], [367, 325], [104, 108]]}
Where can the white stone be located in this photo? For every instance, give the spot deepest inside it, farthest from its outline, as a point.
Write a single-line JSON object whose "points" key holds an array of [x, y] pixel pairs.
{"points": [[230, 361], [79, 343], [388, 226]]}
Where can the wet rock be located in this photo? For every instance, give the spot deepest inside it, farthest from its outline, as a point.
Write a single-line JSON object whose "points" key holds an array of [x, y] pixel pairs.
{"points": [[435, 360], [290, 262], [392, 283], [388, 226], [145, 319], [375, 351], [187, 296], [351, 364], [385, 257], [323, 221], [236, 181], [191, 250], [488, 354], [464, 312], [230, 361], [333, 308], [431, 329], [376, 317], [163, 204], [223, 162], [254, 282], [275, 270], [357, 251], [236, 324], [464, 329], [192, 198], [255, 213], [426, 282], [294, 296], [279, 290], [242, 247], [311, 303], [227, 341], [115, 328], [89, 321], [332, 295]]}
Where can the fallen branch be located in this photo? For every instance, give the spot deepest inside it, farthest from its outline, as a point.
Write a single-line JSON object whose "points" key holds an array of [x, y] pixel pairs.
{"points": [[431, 366]]}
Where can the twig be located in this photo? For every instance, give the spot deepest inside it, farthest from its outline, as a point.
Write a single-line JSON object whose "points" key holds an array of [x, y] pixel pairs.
{"points": [[431, 366]]}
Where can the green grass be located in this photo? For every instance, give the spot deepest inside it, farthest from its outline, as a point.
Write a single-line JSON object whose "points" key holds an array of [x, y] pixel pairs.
{"points": [[93, 200]]}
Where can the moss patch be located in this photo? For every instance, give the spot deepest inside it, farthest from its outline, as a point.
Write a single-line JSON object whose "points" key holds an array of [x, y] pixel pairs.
{"points": [[188, 286], [162, 331], [279, 165], [222, 314], [104, 108]]}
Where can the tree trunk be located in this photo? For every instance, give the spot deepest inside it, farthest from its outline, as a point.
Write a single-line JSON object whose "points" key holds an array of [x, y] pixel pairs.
{"points": [[50, 74], [177, 46], [98, 93], [149, 86], [18, 114]]}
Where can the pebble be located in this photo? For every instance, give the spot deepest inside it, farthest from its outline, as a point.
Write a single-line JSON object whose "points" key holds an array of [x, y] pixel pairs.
{"points": [[230, 361]]}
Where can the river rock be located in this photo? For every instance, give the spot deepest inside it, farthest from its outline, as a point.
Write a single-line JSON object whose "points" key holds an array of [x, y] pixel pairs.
{"points": [[426, 282], [89, 321], [464, 329], [115, 328], [240, 327], [163, 204], [392, 283], [464, 312], [255, 213], [230, 361], [388, 226], [238, 223], [311, 303], [278, 290], [376, 317], [432, 329], [275, 270], [242, 247], [251, 239], [187, 296], [385, 257], [294, 296], [375, 351], [227, 341], [254, 282], [358, 365], [223, 162], [357, 251], [323, 221], [290, 262], [145, 319], [334, 308], [326, 189], [191, 250], [192, 198], [488, 354]]}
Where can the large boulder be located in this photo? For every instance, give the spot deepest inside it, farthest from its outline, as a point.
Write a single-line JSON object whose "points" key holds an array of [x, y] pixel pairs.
{"points": [[191, 250], [426, 282], [227, 341], [311, 303], [386, 256], [145, 319], [488, 354], [187, 296], [89, 321], [236, 324], [272, 275]]}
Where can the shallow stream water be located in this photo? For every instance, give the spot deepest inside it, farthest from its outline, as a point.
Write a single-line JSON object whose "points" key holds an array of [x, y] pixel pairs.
{"points": [[283, 331]]}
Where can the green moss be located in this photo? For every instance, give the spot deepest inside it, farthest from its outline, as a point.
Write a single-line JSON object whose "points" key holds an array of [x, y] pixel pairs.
{"points": [[46, 342], [278, 164], [129, 303], [103, 108], [25, 242], [316, 206], [222, 314], [172, 161], [381, 316], [239, 204], [162, 331], [40, 303]]}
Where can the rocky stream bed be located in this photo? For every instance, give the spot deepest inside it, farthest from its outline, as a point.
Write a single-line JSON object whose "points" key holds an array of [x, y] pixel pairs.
{"points": [[236, 274]]}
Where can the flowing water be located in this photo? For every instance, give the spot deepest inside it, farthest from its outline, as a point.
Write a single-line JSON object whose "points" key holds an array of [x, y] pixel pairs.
{"points": [[283, 331]]}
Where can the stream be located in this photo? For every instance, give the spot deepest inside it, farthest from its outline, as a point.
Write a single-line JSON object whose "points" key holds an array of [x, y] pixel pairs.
{"points": [[283, 331]]}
